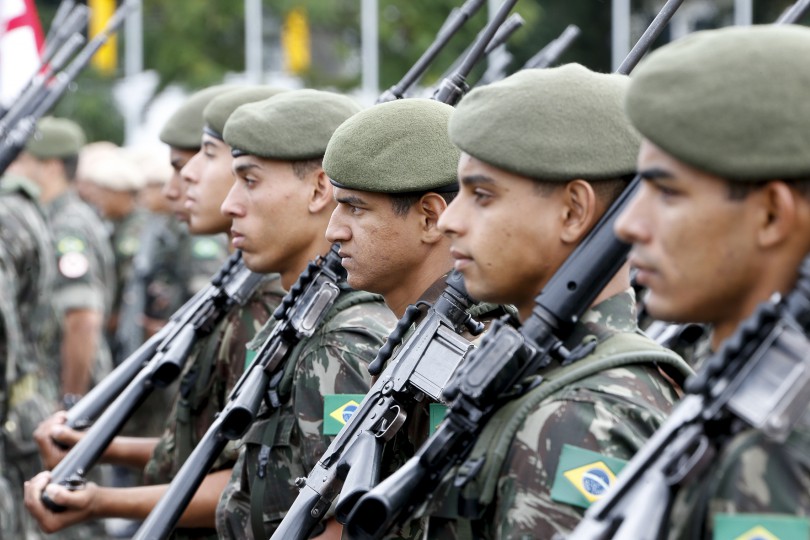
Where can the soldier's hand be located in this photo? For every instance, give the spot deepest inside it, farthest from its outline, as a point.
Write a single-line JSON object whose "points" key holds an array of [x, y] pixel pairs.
{"points": [[79, 504], [53, 438]]}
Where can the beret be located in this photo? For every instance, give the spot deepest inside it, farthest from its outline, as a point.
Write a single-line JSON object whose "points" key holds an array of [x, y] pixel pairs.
{"points": [[732, 102], [184, 128], [216, 113], [396, 147], [111, 167], [153, 161], [55, 138], [556, 124], [290, 126]]}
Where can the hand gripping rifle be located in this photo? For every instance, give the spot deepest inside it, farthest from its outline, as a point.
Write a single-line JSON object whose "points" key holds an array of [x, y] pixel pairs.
{"points": [[299, 316], [133, 381], [499, 369], [233, 283], [421, 368], [759, 378]]}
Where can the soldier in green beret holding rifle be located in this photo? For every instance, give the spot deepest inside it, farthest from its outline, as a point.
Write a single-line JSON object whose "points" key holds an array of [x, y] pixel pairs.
{"points": [[719, 224]]}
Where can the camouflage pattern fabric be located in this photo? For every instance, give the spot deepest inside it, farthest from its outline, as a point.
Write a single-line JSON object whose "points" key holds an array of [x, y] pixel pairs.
{"points": [[202, 255], [85, 275], [750, 475], [126, 242], [215, 366], [333, 361], [612, 413]]}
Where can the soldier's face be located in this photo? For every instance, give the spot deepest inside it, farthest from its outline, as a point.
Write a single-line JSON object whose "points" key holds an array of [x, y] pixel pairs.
{"points": [[694, 247], [379, 248], [269, 208], [208, 177], [175, 188], [505, 234]]}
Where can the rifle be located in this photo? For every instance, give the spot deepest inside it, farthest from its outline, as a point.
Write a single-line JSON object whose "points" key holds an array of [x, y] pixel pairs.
{"points": [[39, 100], [456, 19], [163, 368], [299, 316], [498, 370], [554, 49], [172, 342], [760, 376], [421, 368]]}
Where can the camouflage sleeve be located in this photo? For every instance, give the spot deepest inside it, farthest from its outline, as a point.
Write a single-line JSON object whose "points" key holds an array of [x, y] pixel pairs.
{"points": [[613, 417], [79, 284], [752, 475], [336, 363]]}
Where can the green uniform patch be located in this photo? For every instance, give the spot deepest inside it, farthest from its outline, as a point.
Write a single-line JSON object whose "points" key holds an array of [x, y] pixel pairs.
{"points": [[760, 527], [583, 476], [205, 248], [437, 414], [249, 356], [337, 410], [70, 244]]}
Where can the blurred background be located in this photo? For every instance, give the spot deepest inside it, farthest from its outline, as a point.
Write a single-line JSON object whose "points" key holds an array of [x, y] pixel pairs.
{"points": [[168, 48]]}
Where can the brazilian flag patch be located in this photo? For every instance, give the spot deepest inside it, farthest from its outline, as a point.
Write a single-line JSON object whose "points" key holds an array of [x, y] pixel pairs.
{"points": [[760, 527], [337, 410], [583, 476], [437, 414]]}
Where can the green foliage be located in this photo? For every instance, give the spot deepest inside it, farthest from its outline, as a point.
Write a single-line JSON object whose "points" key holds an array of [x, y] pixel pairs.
{"points": [[90, 102]]}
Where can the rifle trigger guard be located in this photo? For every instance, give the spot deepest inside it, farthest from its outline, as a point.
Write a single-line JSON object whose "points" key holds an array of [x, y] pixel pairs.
{"points": [[692, 463], [391, 422]]}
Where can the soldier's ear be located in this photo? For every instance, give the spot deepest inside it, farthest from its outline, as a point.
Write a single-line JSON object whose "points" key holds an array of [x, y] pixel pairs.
{"points": [[321, 197], [780, 210], [429, 209], [578, 211]]}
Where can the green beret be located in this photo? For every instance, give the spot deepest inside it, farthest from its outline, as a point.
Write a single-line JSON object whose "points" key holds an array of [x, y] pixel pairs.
{"points": [[396, 147], [216, 113], [555, 124], [732, 102], [290, 126], [55, 138], [184, 128]]}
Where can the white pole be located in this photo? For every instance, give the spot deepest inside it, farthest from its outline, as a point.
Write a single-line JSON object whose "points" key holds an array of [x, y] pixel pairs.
{"points": [[369, 21], [133, 66], [620, 32], [254, 42], [743, 12]]}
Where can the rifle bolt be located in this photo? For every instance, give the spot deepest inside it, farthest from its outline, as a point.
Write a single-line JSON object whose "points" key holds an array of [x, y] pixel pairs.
{"points": [[300, 482]]}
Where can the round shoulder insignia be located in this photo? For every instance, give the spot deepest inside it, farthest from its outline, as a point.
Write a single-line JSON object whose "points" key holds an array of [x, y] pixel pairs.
{"points": [[73, 265], [70, 244], [206, 248], [128, 245]]}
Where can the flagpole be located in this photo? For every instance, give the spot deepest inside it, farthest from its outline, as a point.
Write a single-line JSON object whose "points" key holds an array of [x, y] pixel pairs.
{"points": [[620, 32]]}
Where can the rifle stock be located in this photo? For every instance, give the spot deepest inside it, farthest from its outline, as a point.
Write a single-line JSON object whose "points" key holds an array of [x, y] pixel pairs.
{"points": [[350, 466]]}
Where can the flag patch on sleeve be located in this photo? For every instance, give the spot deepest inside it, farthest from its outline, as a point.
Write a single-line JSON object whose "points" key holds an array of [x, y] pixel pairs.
{"points": [[760, 527], [337, 410], [583, 476]]}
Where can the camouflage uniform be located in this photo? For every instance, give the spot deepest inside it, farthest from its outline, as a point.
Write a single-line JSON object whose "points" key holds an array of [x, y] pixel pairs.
{"points": [[612, 412], [749, 477], [208, 377], [85, 264], [27, 257], [332, 361], [126, 241], [11, 344]]}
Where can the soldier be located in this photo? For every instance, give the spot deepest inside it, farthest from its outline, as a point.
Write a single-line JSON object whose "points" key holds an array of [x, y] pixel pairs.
{"points": [[720, 224], [85, 263], [544, 152], [280, 204], [215, 365], [393, 171], [116, 181]]}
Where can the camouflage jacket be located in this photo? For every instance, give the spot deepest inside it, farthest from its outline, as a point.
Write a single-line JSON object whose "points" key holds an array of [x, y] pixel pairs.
{"points": [[333, 361], [756, 488], [85, 277], [207, 379], [611, 413], [126, 241]]}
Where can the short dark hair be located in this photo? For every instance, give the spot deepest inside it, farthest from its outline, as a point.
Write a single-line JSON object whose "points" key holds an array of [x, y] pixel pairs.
{"points": [[303, 167], [71, 164], [738, 191], [402, 202], [606, 190]]}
